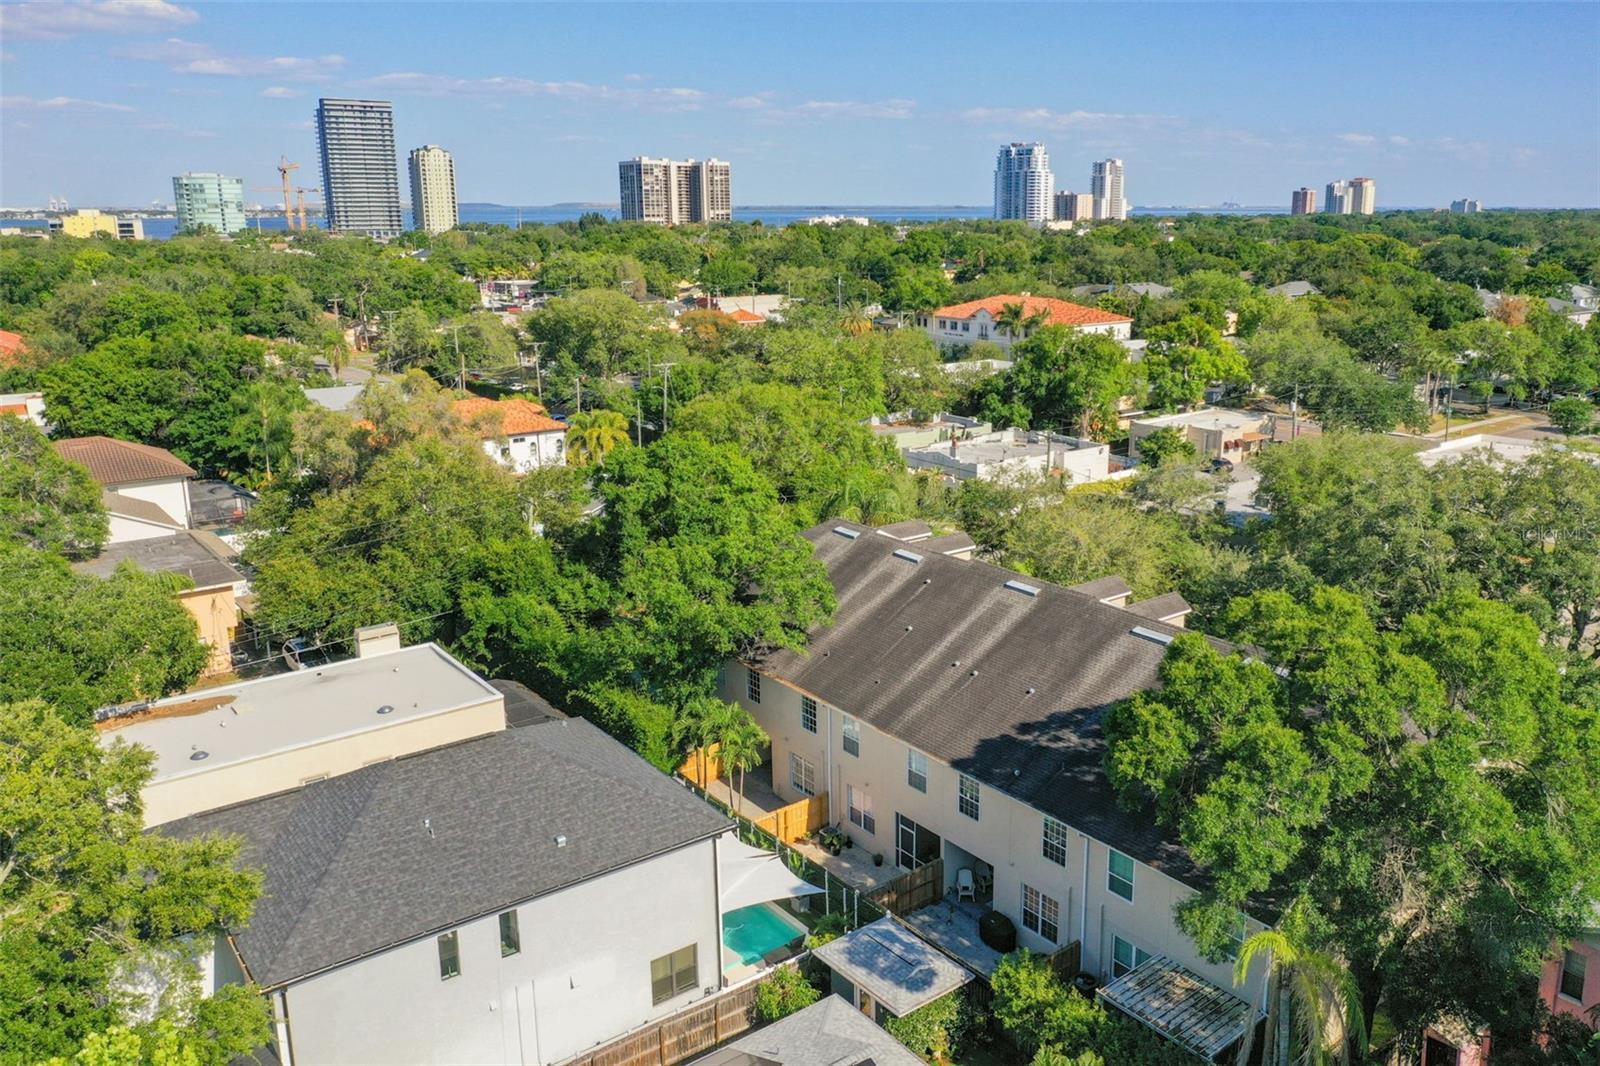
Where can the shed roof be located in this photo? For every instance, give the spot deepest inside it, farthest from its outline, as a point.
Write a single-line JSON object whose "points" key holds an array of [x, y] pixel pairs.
{"points": [[830, 1032], [900, 969], [403, 849], [1181, 1005]]}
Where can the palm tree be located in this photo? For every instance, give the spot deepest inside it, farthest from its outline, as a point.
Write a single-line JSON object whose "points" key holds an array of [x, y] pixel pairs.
{"points": [[855, 321], [699, 724], [592, 434], [741, 745], [1016, 321], [1313, 1004]]}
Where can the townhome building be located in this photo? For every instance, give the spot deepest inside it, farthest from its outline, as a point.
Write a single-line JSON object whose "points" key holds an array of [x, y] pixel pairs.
{"points": [[952, 712]]}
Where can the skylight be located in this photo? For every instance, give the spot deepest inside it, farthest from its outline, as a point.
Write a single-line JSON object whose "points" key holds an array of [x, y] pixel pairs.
{"points": [[910, 557], [1025, 589], [1151, 635]]}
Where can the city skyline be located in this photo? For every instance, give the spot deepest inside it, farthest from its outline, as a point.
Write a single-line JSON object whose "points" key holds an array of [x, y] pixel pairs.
{"points": [[170, 88]]}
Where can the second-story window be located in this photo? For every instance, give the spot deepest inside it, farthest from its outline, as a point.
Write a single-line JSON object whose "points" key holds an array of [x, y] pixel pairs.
{"points": [[1040, 913], [851, 736], [967, 797], [808, 714], [1574, 968], [1119, 874], [1055, 841], [510, 936], [752, 685], [449, 956], [916, 770]]}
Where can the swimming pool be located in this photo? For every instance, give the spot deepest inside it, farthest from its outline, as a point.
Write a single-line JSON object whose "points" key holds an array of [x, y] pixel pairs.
{"points": [[751, 932]]}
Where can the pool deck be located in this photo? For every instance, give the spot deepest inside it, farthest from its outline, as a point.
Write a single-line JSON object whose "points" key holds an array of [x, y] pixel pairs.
{"points": [[734, 969]]}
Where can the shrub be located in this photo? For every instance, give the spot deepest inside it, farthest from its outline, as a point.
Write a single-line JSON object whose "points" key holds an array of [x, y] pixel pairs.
{"points": [[1163, 444], [828, 927], [1572, 415], [943, 1029], [998, 931], [785, 992]]}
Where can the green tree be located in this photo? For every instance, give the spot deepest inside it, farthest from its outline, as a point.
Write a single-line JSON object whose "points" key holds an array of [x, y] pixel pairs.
{"points": [[741, 746], [1572, 415], [1089, 534], [47, 502], [1186, 356], [784, 993], [88, 895], [83, 642], [1167, 444]]}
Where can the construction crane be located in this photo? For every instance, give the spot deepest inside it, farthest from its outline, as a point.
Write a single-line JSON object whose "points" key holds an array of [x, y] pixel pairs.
{"points": [[301, 191], [284, 166]]}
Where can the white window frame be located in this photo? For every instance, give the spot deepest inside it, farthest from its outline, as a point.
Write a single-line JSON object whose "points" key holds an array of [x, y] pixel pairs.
{"points": [[860, 805], [1041, 914], [808, 714], [802, 774], [1049, 845], [1582, 974], [916, 770], [850, 736], [1114, 879], [752, 685], [963, 785], [452, 942]]}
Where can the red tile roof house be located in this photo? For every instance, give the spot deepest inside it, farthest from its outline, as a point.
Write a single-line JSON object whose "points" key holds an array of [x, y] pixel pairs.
{"points": [[516, 433], [978, 320]]}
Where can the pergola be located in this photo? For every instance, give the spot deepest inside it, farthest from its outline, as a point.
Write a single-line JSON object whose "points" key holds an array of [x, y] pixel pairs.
{"points": [[1182, 1006]]}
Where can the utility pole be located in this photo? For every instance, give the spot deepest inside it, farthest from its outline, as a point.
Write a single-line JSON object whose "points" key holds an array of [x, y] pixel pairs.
{"points": [[1294, 414], [838, 300], [666, 375], [461, 372]]}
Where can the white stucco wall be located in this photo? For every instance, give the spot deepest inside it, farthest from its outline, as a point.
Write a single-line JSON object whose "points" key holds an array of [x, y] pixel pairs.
{"points": [[527, 451], [947, 332], [124, 529], [1007, 835], [171, 495], [581, 978]]}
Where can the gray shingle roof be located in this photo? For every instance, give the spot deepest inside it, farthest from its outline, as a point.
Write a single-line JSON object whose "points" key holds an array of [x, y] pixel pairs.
{"points": [[1161, 607], [1021, 712], [1105, 588], [133, 507], [896, 966], [201, 557], [404, 849], [830, 1032]]}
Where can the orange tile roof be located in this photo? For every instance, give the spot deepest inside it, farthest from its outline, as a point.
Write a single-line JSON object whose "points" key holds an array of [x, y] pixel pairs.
{"points": [[1060, 312], [19, 409], [11, 346], [745, 318], [119, 462], [516, 416]]}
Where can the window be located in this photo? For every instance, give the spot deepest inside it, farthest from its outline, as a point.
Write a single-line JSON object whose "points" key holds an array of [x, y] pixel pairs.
{"points": [[802, 775], [1119, 875], [860, 805], [1040, 913], [916, 770], [967, 797], [449, 956], [852, 736], [1125, 957], [808, 714], [1055, 841], [1573, 969], [1236, 938], [673, 975], [510, 938], [752, 685]]}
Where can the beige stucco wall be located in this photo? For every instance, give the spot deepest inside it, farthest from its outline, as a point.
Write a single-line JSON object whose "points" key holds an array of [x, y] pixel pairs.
{"points": [[271, 772], [217, 615], [1008, 835]]}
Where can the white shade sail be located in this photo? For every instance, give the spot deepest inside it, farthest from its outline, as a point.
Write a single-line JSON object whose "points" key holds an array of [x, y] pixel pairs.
{"points": [[750, 876]]}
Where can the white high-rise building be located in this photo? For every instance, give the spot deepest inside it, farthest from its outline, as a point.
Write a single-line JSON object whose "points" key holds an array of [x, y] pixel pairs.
{"points": [[1024, 187], [212, 200], [1105, 185], [360, 174], [1363, 196], [1338, 198], [433, 189], [670, 192], [1465, 206]]}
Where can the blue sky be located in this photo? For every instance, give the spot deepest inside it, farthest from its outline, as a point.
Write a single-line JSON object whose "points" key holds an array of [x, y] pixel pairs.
{"points": [[819, 103]]}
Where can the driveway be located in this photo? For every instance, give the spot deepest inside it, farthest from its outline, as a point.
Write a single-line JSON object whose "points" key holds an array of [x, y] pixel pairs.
{"points": [[1239, 501]]}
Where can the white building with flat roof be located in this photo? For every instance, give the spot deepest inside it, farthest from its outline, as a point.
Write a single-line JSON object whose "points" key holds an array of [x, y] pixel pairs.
{"points": [[360, 175], [1106, 188], [1024, 186], [671, 192], [1012, 452], [433, 189], [215, 201]]}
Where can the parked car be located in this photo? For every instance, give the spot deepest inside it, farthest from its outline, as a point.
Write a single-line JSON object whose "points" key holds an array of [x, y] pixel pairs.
{"points": [[301, 653], [1222, 466]]}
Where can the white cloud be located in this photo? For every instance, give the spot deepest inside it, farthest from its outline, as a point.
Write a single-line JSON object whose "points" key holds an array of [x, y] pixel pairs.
{"points": [[60, 20], [188, 132], [749, 103], [1399, 141], [1358, 138], [896, 109], [57, 103], [421, 84], [192, 57], [278, 92], [1047, 119]]}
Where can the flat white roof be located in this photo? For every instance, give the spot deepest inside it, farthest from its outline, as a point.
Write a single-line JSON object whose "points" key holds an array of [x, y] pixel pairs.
{"points": [[235, 723], [1207, 418]]}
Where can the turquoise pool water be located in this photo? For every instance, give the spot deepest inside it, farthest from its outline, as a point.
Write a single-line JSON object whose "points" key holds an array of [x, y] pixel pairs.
{"points": [[751, 932]]}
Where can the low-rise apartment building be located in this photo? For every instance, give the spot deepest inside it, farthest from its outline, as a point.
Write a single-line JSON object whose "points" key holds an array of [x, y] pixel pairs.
{"points": [[979, 320], [952, 711], [146, 488], [1222, 433], [1009, 453], [516, 433]]}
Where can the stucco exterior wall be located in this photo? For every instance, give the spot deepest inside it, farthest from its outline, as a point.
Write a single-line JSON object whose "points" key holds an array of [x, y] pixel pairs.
{"points": [[1588, 948], [216, 613], [175, 797], [1007, 835], [581, 978], [527, 451], [982, 327], [171, 495], [124, 529]]}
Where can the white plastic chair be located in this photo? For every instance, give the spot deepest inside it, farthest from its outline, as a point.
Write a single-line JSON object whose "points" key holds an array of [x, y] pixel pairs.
{"points": [[965, 888]]}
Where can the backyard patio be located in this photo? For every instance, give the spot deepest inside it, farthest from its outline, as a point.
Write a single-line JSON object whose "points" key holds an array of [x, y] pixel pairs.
{"points": [[952, 926]]}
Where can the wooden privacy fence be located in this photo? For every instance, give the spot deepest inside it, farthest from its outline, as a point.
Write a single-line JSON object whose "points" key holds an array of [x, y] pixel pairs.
{"points": [[702, 761], [1066, 961], [912, 890], [798, 820], [692, 1031]]}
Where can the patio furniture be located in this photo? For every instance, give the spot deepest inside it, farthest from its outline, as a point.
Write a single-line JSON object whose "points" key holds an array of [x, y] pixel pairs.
{"points": [[965, 888], [986, 883]]}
